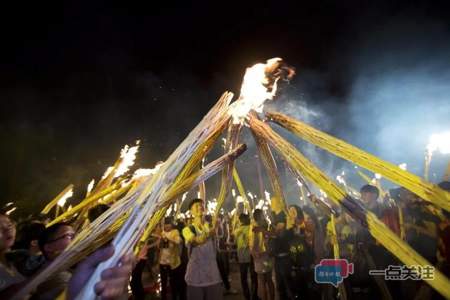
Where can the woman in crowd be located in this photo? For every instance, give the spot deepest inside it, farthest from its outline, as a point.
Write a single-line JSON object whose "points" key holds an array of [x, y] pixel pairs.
{"points": [[258, 240]]}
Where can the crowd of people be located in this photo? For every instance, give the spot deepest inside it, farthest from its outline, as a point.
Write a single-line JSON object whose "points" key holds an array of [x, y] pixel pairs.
{"points": [[275, 250]]}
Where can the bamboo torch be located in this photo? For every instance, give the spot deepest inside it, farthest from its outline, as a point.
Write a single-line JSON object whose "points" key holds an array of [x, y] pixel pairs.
{"points": [[271, 167], [202, 186], [231, 142], [198, 155], [426, 190], [66, 193]]}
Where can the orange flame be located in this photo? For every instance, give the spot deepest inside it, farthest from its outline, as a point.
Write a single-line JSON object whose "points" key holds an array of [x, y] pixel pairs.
{"points": [[259, 84]]}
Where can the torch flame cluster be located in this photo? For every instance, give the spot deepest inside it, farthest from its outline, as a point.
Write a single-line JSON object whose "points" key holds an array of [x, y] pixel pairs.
{"points": [[128, 156], [260, 84], [146, 172]]}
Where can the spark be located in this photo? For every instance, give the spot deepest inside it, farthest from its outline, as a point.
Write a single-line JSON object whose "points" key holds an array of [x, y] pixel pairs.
{"points": [[233, 192]]}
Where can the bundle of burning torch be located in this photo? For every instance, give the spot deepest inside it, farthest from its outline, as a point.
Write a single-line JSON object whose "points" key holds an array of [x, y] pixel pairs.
{"points": [[138, 203]]}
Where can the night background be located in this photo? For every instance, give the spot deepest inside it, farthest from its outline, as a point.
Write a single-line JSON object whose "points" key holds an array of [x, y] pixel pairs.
{"points": [[80, 79]]}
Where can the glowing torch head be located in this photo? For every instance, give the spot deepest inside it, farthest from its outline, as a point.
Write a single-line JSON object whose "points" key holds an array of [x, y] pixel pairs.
{"points": [[259, 84], [63, 199]]}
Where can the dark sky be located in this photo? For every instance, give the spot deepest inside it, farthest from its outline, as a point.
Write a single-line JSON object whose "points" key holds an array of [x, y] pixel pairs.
{"points": [[79, 79]]}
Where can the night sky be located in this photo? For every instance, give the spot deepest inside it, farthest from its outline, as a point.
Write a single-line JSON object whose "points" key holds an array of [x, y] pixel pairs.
{"points": [[79, 79]]}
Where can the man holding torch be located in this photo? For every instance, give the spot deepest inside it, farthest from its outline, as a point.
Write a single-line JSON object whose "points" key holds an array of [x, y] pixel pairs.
{"points": [[202, 274]]}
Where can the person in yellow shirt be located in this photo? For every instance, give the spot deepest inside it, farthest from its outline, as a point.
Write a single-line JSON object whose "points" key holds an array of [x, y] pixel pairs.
{"points": [[169, 259], [245, 261], [263, 262], [202, 274]]}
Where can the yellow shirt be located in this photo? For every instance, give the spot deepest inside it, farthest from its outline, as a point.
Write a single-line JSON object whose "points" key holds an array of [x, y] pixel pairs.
{"points": [[173, 252], [256, 240], [199, 230], [241, 233]]}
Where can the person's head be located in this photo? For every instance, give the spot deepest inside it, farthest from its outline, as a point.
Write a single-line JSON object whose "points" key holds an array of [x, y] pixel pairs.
{"points": [[408, 197], [196, 207], [7, 233], [168, 223], [279, 221], [296, 213], [244, 219], [180, 224], [369, 193], [258, 215], [96, 211], [55, 239], [310, 216], [29, 236], [311, 222]]}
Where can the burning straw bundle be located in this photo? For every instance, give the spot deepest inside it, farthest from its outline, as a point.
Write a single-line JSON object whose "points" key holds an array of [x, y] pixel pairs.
{"points": [[66, 193]]}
